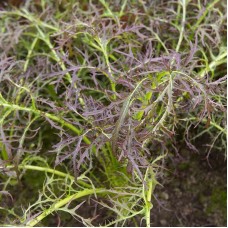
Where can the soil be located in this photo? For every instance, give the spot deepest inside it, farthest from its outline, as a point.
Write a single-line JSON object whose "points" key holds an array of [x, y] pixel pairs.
{"points": [[194, 192]]}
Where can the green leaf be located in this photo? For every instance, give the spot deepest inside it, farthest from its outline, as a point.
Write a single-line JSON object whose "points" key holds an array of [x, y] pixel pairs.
{"points": [[138, 116]]}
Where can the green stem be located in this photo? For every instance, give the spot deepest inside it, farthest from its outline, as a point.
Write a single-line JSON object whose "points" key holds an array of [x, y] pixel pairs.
{"points": [[49, 170], [217, 61], [113, 85], [147, 212], [44, 169], [210, 6], [47, 115], [205, 121], [184, 5], [30, 53], [63, 202], [148, 188]]}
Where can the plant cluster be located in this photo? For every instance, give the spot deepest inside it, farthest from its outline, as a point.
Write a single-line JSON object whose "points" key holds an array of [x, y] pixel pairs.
{"points": [[95, 94]]}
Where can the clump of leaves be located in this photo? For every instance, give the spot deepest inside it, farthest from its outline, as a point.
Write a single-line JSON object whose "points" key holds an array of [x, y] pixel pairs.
{"points": [[89, 90]]}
